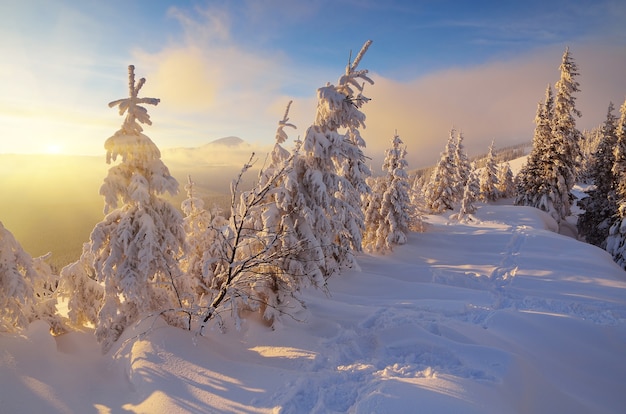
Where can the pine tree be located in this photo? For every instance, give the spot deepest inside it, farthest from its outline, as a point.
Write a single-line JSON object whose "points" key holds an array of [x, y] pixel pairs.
{"points": [[506, 186], [441, 193], [26, 288], [392, 222], [372, 203], [489, 177], [133, 253], [599, 205], [616, 240], [462, 165], [330, 185], [471, 193], [564, 127]]}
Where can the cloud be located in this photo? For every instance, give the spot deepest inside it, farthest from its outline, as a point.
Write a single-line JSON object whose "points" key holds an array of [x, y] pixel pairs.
{"points": [[496, 100]]}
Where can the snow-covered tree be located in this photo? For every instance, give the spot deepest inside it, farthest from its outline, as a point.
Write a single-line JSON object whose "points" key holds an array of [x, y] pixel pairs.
{"points": [[392, 222], [506, 185], [471, 193], [489, 177], [418, 203], [616, 241], [599, 205], [26, 287], [372, 202], [441, 194], [133, 253], [564, 121], [462, 164], [202, 229], [330, 184]]}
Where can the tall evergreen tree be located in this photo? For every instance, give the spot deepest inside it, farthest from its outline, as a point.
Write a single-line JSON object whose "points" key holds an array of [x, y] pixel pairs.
{"points": [[489, 177], [462, 165], [599, 205], [326, 167], [506, 186], [391, 225], [133, 253], [441, 193], [564, 126], [616, 241], [471, 193], [530, 180]]}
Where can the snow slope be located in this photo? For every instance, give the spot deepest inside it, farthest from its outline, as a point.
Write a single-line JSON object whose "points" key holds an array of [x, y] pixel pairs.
{"points": [[501, 315]]}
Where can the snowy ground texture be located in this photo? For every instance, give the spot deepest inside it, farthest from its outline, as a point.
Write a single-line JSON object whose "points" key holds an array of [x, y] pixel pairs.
{"points": [[501, 315]]}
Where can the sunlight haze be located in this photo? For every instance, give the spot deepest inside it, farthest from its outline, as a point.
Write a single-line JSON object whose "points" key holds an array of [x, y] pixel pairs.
{"points": [[229, 68]]}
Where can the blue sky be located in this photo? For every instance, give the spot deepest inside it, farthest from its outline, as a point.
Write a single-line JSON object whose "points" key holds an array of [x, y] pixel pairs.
{"points": [[229, 67]]}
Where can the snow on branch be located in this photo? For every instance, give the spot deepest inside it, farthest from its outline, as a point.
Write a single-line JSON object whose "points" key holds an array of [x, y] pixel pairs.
{"points": [[281, 136], [131, 106]]}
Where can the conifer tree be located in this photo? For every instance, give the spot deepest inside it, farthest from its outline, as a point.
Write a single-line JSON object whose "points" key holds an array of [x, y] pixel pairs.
{"points": [[133, 253], [489, 177], [441, 194], [471, 193], [599, 205], [506, 186], [564, 122], [26, 288], [325, 167], [616, 240], [392, 222], [372, 202], [530, 180], [462, 165]]}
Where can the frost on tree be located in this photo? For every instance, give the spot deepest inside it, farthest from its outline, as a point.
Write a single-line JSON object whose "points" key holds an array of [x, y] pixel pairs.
{"points": [[26, 288], [330, 168], [462, 164], [506, 185], [489, 177], [268, 251], [600, 205], [471, 193], [133, 253], [542, 182], [442, 191], [616, 241], [391, 224]]}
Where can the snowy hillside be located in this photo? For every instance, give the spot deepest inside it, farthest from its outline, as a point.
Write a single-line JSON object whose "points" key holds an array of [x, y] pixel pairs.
{"points": [[498, 316]]}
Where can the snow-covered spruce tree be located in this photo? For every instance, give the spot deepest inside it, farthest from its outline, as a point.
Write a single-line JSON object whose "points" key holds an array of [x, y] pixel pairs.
{"points": [[543, 181], [462, 165], [392, 223], [441, 194], [489, 177], [506, 185], [330, 184], [616, 240], [529, 179], [133, 253], [372, 202], [26, 288], [418, 202], [564, 126], [471, 193], [599, 205]]}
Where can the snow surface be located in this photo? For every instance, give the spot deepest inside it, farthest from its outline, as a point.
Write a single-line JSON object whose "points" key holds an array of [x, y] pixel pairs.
{"points": [[499, 315]]}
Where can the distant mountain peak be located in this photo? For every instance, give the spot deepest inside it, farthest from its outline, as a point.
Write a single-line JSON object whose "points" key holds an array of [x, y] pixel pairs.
{"points": [[227, 142]]}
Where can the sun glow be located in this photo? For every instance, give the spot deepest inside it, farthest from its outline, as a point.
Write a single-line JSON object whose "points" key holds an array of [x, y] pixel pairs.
{"points": [[53, 149]]}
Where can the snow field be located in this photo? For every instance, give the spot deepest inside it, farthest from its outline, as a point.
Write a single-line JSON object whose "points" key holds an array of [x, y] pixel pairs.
{"points": [[497, 315]]}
